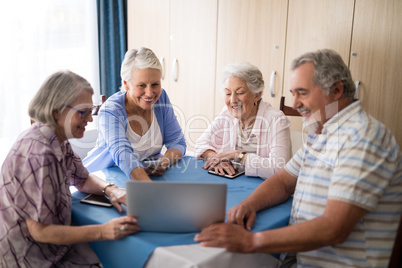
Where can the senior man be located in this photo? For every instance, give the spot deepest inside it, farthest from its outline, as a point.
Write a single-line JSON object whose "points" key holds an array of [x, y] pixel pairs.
{"points": [[346, 180]]}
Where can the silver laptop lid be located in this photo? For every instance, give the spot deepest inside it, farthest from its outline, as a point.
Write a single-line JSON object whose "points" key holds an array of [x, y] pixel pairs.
{"points": [[176, 206]]}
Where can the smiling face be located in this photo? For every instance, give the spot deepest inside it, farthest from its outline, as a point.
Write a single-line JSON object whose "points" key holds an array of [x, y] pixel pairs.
{"points": [[143, 89], [239, 99], [69, 122], [309, 99]]}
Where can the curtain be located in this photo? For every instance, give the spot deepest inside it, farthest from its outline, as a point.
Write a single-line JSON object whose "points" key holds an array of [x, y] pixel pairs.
{"points": [[39, 38], [112, 32]]}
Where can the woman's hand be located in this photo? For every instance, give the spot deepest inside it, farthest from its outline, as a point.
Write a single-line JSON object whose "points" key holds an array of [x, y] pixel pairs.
{"points": [[222, 162], [218, 158], [155, 170], [119, 228], [117, 197], [56, 234], [224, 168]]}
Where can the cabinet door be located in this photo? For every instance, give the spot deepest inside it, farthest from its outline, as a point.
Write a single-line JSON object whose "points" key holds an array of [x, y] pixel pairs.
{"points": [[148, 26], [192, 60], [376, 60], [312, 25], [252, 31]]}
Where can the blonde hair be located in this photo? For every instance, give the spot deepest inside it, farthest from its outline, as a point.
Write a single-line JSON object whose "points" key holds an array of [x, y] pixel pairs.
{"points": [[57, 91], [141, 58]]}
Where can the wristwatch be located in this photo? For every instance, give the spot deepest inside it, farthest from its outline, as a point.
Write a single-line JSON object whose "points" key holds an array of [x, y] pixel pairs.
{"points": [[241, 156], [104, 188]]}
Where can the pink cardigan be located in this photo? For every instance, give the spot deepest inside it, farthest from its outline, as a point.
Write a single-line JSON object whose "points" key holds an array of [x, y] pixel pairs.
{"points": [[273, 140]]}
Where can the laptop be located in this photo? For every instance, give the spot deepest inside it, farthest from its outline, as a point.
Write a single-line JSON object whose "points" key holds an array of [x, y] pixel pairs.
{"points": [[176, 207]]}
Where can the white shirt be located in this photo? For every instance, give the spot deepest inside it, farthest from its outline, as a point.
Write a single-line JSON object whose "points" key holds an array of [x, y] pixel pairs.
{"points": [[149, 144]]}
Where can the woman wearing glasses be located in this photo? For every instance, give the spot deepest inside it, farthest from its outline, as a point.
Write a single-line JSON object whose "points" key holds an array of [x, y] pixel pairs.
{"points": [[35, 199], [136, 122]]}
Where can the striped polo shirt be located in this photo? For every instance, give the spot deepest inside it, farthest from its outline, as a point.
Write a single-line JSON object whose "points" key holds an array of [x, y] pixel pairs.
{"points": [[355, 160]]}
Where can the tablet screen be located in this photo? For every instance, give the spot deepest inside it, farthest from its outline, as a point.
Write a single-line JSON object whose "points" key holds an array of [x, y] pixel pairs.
{"points": [[237, 174], [99, 200]]}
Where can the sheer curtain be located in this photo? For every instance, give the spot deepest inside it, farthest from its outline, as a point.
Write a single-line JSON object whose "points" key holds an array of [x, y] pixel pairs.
{"points": [[39, 38]]}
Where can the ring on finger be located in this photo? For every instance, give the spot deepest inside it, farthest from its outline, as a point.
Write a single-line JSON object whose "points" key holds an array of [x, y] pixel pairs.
{"points": [[122, 228]]}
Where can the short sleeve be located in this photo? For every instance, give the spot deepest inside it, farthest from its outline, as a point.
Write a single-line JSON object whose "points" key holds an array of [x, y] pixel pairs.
{"points": [[294, 164], [364, 170], [75, 168]]}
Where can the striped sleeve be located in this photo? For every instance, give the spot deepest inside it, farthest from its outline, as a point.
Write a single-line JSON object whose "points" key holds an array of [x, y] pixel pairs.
{"points": [[365, 167], [294, 164]]}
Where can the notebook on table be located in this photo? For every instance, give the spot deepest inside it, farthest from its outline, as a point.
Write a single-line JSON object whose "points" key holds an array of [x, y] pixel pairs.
{"points": [[176, 207]]}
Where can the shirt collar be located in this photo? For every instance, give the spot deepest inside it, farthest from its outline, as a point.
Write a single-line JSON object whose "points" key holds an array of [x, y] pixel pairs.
{"points": [[48, 133], [337, 120]]}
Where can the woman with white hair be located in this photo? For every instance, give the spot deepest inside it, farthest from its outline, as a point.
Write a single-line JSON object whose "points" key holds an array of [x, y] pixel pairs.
{"points": [[136, 122], [248, 132], [35, 199]]}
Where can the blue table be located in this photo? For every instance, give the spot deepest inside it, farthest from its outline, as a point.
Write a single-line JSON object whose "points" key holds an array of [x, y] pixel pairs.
{"points": [[134, 250]]}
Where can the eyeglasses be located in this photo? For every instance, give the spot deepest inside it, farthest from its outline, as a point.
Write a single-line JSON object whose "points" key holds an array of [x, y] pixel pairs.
{"points": [[84, 114]]}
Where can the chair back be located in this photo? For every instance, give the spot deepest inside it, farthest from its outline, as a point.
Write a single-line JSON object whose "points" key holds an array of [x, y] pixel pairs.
{"points": [[287, 110], [396, 255]]}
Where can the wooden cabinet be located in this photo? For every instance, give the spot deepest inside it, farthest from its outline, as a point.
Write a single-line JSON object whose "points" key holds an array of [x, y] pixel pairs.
{"points": [[312, 25], [367, 34], [376, 60], [205, 35], [253, 31], [148, 26], [183, 35]]}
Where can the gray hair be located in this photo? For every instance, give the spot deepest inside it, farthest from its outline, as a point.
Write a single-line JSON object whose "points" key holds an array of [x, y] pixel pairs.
{"points": [[141, 58], [246, 71], [59, 90], [328, 69]]}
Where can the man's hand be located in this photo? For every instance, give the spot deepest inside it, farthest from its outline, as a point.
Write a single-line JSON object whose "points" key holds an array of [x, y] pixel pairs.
{"points": [[226, 235], [242, 215]]}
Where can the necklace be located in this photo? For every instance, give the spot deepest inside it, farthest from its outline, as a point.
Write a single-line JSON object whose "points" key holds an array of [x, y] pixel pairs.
{"points": [[249, 127]]}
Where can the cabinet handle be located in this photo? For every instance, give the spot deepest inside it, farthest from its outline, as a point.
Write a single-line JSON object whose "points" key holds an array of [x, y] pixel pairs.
{"points": [[271, 83], [162, 61], [175, 68], [357, 83]]}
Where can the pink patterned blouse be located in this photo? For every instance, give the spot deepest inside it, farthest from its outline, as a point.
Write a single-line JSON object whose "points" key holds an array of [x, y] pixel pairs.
{"points": [[34, 183]]}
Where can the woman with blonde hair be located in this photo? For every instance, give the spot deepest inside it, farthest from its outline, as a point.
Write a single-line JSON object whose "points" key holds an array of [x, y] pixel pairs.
{"points": [[135, 123], [35, 198]]}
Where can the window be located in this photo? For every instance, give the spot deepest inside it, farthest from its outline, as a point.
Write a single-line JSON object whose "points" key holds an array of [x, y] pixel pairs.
{"points": [[39, 38]]}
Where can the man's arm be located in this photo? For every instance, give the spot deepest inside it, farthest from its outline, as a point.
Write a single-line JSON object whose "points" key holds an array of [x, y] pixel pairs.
{"points": [[333, 227], [273, 191]]}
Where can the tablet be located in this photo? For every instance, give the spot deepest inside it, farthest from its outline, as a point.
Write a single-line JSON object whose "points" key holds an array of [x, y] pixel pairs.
{"points": [[151, 162], [99, 200], [237, 174]]}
